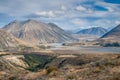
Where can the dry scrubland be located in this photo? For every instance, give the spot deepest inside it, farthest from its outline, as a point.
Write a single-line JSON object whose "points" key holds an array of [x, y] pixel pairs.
{"points": [[55, 66]]}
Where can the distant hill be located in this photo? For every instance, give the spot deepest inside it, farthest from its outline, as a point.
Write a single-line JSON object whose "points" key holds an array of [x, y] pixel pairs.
{"points": [[112, 36], [37, 32], [115, 32], [95, 31], [73, 31]]}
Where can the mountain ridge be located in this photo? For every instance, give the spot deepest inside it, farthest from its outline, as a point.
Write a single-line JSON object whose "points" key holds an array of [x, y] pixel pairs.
{"points": [[37, 32], [97, 31], [112, 33]]}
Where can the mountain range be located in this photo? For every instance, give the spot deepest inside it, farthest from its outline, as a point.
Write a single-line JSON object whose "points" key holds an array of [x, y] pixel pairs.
{"points": [[95, 31], [37, 32]]}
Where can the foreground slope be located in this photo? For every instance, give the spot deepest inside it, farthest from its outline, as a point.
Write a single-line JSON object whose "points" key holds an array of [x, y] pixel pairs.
{"points": [[33, 66], [37, 32]]}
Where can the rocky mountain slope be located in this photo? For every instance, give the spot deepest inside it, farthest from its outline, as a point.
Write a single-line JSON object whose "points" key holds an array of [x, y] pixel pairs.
{"points": [[7, 40], [96, 31], [37, 32], [112, 36], [115, 32]]}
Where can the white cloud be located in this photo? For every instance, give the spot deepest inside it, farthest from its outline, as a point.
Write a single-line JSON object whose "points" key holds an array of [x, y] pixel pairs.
{"points": [[49, 14], [63, 7], [46, 14], [117, 22], [110, 9], [82, 23], [67, 11], [80, 8]]}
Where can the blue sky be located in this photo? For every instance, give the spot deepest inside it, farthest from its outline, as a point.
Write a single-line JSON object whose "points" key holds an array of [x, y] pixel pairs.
{"points": [[68, 14]]}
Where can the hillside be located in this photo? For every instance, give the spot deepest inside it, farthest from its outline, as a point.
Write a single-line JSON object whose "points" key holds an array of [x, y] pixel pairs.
{"points": [[96, 31], [115, 32], [37, 32], [112, 36], [7, 40]]}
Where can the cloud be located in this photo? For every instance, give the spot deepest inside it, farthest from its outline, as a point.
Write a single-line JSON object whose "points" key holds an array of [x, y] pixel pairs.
{"points": [[82, 23], [46, 14], [63, 7], [66, 13], [111, 7], [80, 8], [49, 14], [117, 22], [85, 23]]}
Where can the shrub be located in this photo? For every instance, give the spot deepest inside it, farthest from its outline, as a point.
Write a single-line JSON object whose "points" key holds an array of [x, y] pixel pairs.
{"points": [[96, 44], [51, 69], [12, 78], [116, 77], [71, 77], [37, 62], [115, 44], [42, 47], [64, 44], [97, 70]]}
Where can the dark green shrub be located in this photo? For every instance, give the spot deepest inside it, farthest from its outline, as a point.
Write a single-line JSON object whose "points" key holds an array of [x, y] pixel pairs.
{"points": [[37, 62], [115, 44], [51, 69]]}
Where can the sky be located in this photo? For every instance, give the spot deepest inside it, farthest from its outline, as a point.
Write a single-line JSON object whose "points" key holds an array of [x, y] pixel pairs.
{"points": [[67, 14]]}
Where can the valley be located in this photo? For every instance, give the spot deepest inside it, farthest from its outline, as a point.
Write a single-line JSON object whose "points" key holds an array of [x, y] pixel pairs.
{"points": [[42, 51], [59, 39]]}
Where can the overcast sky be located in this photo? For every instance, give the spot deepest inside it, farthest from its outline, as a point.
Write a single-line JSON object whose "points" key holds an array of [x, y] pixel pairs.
{"points": [[67, 14]]}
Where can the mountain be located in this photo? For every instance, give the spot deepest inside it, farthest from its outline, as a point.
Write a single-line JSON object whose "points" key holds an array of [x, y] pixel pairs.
{"points": [[73, 31], [96, 31], [112, 36], [115, 32], [7, 40], [37, 32]]}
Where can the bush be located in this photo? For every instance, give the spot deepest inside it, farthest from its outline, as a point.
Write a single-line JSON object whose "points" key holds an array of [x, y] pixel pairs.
{"points": [[12, 78], [51, 69], [71, 77], [64, 44], [97, 70], [96, 44], [116, 77], [115, 44], [44, 47], [37, 62]]}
